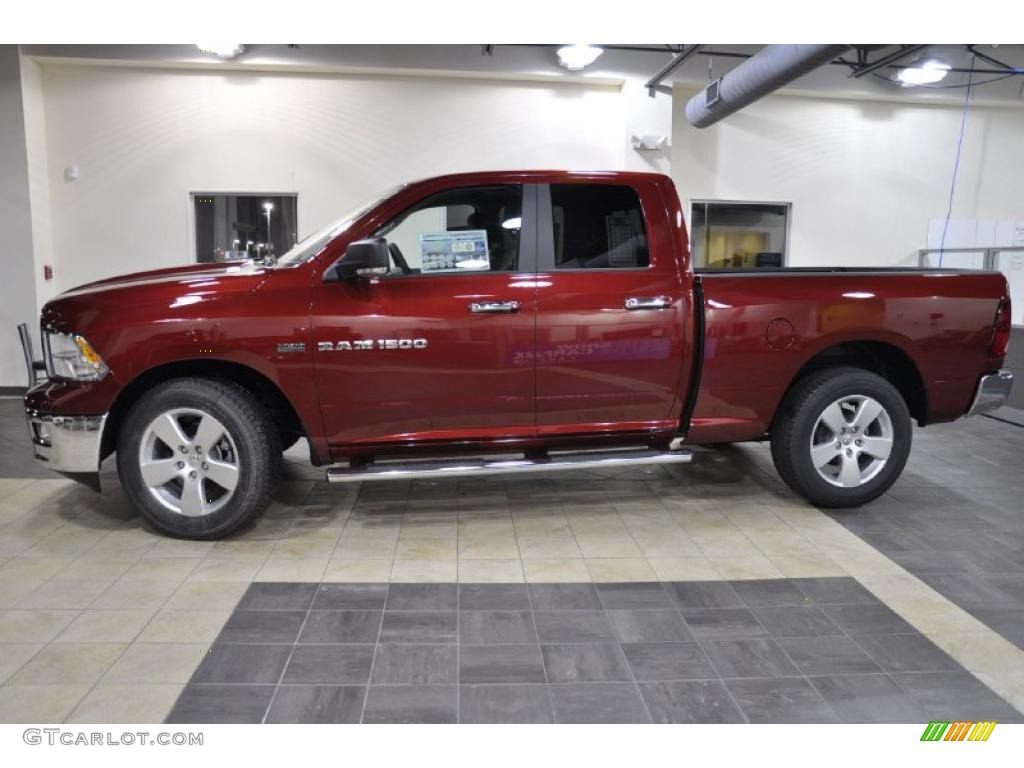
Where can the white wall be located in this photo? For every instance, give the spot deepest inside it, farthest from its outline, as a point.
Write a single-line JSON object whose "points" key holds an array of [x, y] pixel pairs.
{"points": [[864, 177], [144, 138], [17, 282], [38, 176]]}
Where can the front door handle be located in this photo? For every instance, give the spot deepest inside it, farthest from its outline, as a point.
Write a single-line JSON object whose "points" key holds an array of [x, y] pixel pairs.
{"points": [[494, 307], [647, 302]]}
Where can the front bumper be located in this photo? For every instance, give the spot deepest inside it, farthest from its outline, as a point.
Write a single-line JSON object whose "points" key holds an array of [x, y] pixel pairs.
{"points": [[68, 444], [993, 390]]}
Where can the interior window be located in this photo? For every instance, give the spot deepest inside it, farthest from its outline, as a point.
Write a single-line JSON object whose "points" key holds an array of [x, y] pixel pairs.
{"points": [[598, 226], [729, 235], [472, 229], [253, 226]]}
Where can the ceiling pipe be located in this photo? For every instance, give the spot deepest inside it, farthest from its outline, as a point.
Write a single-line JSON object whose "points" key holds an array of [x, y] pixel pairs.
{"points": [[767, 70], [665, 71], [885, 61]]}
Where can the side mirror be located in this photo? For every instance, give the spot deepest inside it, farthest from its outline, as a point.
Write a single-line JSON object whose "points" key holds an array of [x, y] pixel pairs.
{"points": [[364, 258]]}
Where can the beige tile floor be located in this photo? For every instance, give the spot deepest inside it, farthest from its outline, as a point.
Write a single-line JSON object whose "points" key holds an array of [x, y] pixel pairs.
{"points": [[103, 620]]}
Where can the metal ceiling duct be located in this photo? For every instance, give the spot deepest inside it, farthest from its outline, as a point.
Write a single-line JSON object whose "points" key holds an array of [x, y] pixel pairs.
{"points": [[767, 70]]}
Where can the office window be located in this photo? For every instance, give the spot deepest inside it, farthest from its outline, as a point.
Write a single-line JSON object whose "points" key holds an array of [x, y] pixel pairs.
{"points": [[598, 226], [739, 235], [249, 226]]}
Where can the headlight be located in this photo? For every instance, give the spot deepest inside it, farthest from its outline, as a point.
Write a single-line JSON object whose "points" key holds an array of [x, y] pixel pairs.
{"points": [[69, 356]]}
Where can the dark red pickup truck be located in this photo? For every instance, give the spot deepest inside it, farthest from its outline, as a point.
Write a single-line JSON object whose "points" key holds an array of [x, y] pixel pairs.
{"points": [[503, 322]]}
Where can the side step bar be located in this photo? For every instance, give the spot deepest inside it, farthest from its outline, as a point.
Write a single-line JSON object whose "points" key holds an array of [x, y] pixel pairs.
{"points": [[433, 468]]}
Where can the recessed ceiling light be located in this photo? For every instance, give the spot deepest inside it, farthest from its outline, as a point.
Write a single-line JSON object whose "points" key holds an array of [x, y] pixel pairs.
{"points": [[222, 50], [576, 57], [923, 73]]}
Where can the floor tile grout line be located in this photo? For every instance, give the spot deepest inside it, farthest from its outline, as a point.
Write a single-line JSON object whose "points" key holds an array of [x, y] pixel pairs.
{"points": [[373, 658], [632, 673], [540, 650], [126, 647], [714, 667], [782, 648], [294, 644], [458, 656]]}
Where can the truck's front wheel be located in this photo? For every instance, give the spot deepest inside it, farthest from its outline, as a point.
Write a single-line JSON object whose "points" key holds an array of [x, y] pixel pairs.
{"points": [[842, 437], [198, 458]]}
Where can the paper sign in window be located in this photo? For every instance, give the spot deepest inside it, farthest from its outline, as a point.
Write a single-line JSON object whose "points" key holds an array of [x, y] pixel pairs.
{"points": [[463, 251], [621, 240]]}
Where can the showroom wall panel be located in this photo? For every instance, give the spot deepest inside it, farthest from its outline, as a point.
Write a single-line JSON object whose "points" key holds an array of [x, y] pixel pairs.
{"points": [[864, 177], [142, 139], [17, 288], [38, 176]]}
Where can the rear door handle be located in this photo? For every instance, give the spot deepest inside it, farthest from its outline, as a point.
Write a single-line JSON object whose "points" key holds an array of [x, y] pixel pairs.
{"points": [[494, 307], [647, 302]]}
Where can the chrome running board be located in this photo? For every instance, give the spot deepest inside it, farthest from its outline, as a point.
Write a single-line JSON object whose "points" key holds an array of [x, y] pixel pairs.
{"points": [[417, 469]]}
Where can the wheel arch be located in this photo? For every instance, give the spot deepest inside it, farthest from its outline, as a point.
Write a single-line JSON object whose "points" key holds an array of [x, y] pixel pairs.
{"points": [[888, 360], [280, 408]]}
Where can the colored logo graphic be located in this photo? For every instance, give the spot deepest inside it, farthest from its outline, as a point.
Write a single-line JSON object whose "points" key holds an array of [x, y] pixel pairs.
{"points": [[961, 730]]}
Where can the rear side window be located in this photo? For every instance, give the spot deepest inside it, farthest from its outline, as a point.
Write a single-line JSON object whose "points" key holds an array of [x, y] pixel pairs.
{"points": [[598, 226]]}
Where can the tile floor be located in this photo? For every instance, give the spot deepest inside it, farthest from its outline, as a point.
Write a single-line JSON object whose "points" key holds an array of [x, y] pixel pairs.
{"points": [[759, 651], [103, 620]]}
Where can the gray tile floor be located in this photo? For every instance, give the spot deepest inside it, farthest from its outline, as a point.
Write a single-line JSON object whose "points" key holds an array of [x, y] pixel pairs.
{"points": [[955, 519], [1015, 362], [780, 650]]}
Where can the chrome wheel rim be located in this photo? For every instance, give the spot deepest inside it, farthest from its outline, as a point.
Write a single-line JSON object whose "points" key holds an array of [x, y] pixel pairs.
{"points": [[851, 441], [189, 462]]}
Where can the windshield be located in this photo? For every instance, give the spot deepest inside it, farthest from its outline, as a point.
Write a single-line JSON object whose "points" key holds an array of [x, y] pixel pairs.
{"points": [[310, 246]]}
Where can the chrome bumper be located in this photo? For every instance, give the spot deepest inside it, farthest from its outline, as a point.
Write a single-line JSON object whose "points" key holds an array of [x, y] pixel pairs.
{"points": [[993, 390], [66, 443]]}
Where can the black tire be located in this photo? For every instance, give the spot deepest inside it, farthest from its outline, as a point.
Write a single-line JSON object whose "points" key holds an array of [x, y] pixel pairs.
{"points": [[797, 419], [255, 441]]}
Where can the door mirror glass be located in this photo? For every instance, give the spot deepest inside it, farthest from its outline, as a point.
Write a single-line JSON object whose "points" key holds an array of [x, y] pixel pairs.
{"points": [[364, 258]]}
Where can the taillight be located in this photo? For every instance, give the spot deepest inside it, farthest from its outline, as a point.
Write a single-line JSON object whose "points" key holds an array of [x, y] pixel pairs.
{"points": [[1001, 329]]}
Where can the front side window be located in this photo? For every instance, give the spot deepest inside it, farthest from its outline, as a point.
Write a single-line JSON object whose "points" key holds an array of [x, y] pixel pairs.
{"points": [[458, 231], [598, 226]]}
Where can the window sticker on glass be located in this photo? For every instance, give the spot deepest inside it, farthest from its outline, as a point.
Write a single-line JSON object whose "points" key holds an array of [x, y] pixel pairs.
{"points": [[621, 240], [460, 251]]}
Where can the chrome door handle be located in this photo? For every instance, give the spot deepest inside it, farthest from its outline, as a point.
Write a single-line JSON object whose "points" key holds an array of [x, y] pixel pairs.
{"points": [[494, 307], [647, 302]]}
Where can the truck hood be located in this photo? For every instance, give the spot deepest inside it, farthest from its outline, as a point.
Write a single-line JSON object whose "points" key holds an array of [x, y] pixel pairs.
{"points": [[183, 275], [175, 290]]}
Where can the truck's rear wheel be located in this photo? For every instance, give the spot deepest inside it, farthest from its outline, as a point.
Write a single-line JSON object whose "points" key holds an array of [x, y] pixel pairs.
{"points": [[198, 458], [841, 437]]}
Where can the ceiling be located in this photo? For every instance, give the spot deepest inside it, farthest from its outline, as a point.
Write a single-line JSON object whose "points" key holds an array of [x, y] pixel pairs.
{"points": [[617, 62]]}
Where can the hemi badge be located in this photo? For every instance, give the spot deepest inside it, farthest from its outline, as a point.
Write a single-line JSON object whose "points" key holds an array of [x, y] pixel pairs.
{"points": [[291, 346]]}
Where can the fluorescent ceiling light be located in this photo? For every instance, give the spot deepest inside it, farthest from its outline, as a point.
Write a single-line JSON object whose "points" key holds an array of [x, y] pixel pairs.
{"points": [[222, 50], [576, 57], [924, 73]]}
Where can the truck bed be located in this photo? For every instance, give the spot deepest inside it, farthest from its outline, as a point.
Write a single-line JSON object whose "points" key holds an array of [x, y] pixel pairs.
{"points": [[760, 326]]}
